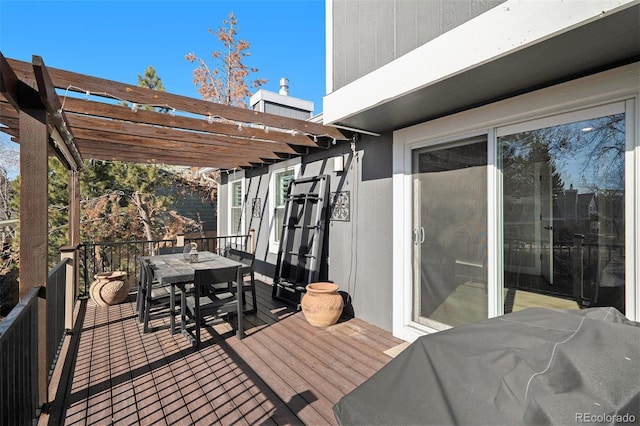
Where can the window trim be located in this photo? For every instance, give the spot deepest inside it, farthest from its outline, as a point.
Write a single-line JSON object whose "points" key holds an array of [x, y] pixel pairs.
{"points": [[232, 181], [274, 243]]}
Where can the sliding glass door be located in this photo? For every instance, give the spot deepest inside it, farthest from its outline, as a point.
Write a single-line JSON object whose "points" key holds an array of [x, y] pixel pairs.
{"points": [[449, 186], [528, 202], [563, 197], [560, 194]]}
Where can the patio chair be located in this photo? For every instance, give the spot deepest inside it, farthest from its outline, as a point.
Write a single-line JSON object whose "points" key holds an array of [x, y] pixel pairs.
{"points": [[156, 296], [247, 260], [204, 300], [142, 288], [171, 250]]}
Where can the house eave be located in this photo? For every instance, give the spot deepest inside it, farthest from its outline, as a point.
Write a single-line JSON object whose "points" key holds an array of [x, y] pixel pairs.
{"points": [[538, 44]]}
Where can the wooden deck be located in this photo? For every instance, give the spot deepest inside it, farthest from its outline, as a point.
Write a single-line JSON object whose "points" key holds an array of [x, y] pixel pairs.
{"points": [[284, 372]]}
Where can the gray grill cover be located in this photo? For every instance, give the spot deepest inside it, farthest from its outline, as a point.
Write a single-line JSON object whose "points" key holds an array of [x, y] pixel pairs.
{"points": [[537, 366]]}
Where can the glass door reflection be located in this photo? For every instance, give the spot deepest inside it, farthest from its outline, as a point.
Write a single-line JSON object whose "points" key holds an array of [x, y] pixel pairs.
{"points": [[563, 194]]}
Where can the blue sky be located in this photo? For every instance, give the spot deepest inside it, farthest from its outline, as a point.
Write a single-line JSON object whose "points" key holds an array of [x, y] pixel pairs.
{"points": [[118, 39]]}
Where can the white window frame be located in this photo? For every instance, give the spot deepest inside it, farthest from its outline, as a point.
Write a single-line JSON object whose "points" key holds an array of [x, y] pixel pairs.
{"points": [[234, 179], [274, 242], [596, 93]]}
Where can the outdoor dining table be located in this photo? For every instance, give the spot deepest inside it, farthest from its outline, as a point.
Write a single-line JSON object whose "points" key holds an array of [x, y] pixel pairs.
{"points": [[174, 269]]}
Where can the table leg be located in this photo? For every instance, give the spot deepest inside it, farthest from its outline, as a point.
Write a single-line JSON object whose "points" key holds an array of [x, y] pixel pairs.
{"points": [[172, 308]]}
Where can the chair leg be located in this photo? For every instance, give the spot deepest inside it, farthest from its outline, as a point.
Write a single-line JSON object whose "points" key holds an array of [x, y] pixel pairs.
{"points": [[240, 312], [254, 299], [198, 324], [141, 304], [183, 317], [147, 317]]}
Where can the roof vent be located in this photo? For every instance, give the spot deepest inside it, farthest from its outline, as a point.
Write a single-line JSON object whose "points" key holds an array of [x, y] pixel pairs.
{"points": [[284, 86]]}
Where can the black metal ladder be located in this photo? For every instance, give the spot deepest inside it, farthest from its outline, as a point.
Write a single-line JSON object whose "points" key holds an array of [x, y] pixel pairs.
{"points": [[301, 237]]}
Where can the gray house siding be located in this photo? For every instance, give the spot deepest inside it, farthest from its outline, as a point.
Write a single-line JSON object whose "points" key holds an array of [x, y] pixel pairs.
{"points": [[285, 111], [368, 34], [357, 250], [193, 206]]}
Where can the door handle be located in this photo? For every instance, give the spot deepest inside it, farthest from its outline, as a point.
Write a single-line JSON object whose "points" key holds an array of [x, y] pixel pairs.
{"points": [[421, 234]]}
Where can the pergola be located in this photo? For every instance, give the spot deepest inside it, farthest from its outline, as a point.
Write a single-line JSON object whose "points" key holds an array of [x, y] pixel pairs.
{"points": [[106, 120]]}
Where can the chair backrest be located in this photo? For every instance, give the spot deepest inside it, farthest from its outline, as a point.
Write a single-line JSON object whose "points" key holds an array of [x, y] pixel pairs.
{"points": [[241, 256], [217, 276], [171, 250], [142, 281], [146, 274], [205, 280]]}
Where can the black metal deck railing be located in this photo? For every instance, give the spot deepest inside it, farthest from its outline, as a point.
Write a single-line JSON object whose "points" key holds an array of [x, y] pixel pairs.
{"points": [[55, 294], [22, 373], [20, 370], [19, 402], [122, 256], [578, 266]]}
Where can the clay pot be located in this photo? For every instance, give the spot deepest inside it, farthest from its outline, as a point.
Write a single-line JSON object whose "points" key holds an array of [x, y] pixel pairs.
{"points": [[110, 288], [321, 304]]}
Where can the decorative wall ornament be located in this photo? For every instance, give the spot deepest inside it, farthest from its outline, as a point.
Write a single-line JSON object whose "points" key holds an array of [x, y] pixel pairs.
{"points": [[341, 206], [256, 206]]}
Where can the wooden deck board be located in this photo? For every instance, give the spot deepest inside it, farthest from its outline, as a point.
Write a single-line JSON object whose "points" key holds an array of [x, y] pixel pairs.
{"points": [[284, 372], [123, 394]]}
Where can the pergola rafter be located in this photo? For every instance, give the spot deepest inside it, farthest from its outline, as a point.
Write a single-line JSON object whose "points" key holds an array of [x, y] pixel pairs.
{"points": [[210, 134]]}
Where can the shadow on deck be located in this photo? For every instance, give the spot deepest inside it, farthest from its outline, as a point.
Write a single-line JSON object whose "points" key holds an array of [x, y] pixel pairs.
{"points": [[284, 372]]}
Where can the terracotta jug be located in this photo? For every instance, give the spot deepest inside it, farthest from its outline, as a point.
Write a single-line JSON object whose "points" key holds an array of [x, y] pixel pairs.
{"points": [[322, 304], [110, 288]]}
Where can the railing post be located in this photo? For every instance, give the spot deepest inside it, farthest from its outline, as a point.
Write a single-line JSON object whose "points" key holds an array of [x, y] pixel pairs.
{"points": [[578, 270], [71, 286], [43, 367], [252, 241], [85, 270]]}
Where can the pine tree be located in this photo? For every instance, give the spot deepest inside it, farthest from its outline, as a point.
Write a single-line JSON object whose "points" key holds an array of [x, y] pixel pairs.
{"points": [[119, 201]]}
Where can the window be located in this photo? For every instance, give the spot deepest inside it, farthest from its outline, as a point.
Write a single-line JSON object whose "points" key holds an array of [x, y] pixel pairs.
{"points": [[236, 196], [280, 180]]}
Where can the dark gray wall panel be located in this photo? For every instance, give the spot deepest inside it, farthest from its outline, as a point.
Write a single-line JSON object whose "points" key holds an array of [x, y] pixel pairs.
{"points": [[358, 255]]}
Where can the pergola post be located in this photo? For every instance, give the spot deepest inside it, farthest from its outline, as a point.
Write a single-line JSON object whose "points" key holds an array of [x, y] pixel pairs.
{"points": [[34, 198], [74, 233], [34, 202], [74, 207]]}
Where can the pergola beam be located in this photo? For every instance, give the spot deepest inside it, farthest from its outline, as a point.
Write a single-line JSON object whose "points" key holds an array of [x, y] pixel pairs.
{"points": [[57, 117], [155, 134], [9, 83], [14, 90], [98, 110], [200, 130], [160, 157], [93, 139], [99, 86], [133, 145]]}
